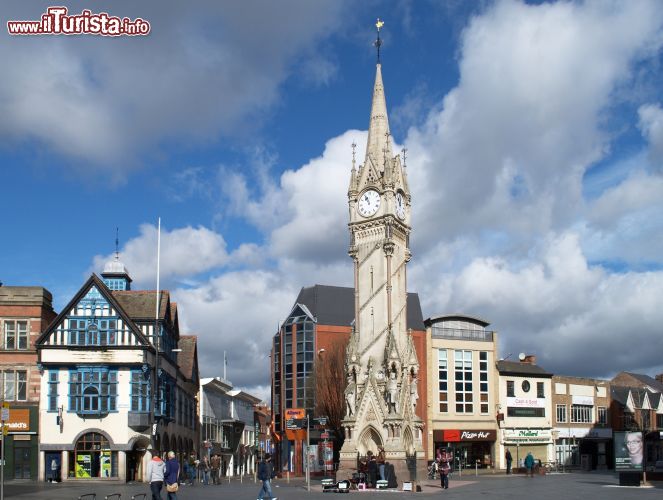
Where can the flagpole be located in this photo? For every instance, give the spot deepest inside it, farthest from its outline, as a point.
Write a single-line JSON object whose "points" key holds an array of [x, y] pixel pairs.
{"points": [[225, 365], [156, 345]]}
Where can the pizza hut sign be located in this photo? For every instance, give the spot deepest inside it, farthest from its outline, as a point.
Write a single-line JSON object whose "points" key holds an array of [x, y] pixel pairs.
{"points": [[455, 435]]}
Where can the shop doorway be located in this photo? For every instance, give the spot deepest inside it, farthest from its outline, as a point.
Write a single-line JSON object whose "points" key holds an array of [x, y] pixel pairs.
{"points": [[53, 466], [135, 462], [22, 460]]}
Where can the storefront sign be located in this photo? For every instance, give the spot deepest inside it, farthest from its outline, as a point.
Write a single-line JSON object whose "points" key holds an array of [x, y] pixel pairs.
{"points": [[19, 420], [526, 402], [582, 400], [457, 435], [527, 435]]}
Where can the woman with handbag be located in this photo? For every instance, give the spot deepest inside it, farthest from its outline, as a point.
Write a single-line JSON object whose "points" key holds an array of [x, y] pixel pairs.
{"points": [[171, 475]]}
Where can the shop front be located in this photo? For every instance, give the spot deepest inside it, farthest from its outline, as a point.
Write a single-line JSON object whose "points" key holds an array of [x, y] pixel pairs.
{"points": [[470, 447], [21, 445], [538, 442], [572, 443]]}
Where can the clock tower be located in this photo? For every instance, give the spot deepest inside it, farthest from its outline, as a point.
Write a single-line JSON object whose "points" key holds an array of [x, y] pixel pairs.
{"points": [[381, 362]]}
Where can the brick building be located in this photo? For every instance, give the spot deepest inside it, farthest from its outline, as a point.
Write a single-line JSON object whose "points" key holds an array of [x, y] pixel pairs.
{"points": [[25, 311]]}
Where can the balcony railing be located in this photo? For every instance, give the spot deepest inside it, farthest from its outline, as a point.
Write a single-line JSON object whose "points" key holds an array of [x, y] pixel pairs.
{"points": [[462, 334]]}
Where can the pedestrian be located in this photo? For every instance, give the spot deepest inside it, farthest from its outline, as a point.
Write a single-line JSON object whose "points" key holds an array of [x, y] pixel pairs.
{"points": [[171, 475], [215, 465], [529, 464], [55, 470], [372, 472], [193, 468], [381, 462], [265, 474], [155, 474], [509, 460], [204, 468], [444, 469]]}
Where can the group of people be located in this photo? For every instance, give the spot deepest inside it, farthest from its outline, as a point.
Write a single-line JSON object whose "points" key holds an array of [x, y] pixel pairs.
{"points": [[528, 462], [373, 467], [170, 473]]}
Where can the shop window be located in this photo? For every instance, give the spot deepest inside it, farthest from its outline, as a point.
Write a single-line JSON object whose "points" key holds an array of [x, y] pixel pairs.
{"points": [[92, 458]]}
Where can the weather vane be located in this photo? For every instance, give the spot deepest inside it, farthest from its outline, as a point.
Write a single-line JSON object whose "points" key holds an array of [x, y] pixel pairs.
{"points": [[404, 150], [378, 42], [117, 242]]}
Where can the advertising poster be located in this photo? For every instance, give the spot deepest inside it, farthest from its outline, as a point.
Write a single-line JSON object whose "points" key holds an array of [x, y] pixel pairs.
{"points": [[83, 465], [629, 448], [105, 464]]}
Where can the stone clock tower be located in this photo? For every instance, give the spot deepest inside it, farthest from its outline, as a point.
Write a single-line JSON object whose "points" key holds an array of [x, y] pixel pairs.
{"points": [[381, 362]]}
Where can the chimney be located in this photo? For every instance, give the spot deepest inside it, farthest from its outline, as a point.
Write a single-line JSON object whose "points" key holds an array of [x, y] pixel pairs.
{"points": [[529, 359]]}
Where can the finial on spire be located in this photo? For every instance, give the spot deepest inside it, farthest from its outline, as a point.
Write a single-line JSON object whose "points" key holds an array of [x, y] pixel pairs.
{"points": [[404, 150], [117, 243], [354, 147], [378, 41]]}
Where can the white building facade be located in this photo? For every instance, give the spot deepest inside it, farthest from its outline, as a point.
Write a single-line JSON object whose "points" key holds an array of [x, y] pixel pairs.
{"points": [[525, 411], [100, 370]]}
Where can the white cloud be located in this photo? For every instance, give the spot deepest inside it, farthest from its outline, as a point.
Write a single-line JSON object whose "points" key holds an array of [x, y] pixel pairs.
{"points": [[184, 252], [70, 93]]}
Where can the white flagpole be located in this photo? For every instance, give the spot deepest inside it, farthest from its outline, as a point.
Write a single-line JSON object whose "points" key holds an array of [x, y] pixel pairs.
{"points": [[158, 265], [225, 365], [155, 396]]}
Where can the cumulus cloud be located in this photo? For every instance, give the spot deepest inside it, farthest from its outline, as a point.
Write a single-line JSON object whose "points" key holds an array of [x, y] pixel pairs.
{"points": [[70, 95], [185, 252]]}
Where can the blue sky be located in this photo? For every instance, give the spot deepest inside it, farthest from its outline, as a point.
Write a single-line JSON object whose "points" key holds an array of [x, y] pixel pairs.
{"points": [[535, 152]]}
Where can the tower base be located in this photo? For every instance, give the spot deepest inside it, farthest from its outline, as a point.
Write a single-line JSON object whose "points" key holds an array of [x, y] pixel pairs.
{"points": [[404, 468]]}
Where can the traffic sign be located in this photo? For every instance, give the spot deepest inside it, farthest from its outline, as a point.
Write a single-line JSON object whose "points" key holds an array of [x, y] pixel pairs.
{"points": [[4, 414], [324, 435], [321, 421]]}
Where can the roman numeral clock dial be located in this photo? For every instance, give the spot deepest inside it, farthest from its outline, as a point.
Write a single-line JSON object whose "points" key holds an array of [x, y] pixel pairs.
{"points": [[369, 203]]}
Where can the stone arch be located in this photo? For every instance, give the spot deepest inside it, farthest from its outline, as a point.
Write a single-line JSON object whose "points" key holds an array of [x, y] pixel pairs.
{"points": [[369, 440], [408, 441], [93, 429]]}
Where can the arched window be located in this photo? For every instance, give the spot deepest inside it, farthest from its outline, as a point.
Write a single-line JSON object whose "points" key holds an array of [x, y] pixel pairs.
{"points": [[92, 457], [91, 399]]}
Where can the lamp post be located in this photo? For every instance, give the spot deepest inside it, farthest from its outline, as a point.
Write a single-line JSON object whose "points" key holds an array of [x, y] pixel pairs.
{"points": [[155, 384]]}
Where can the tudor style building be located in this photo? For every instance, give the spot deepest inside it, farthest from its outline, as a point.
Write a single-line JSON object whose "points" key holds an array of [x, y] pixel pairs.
{"points": [[100, 371]]}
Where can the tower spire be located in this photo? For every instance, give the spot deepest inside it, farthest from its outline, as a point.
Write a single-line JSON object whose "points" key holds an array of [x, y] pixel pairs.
{"points": [[378, 128]]}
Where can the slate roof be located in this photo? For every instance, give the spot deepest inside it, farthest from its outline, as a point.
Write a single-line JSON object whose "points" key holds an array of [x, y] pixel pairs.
{"points": [[140, 304], [647, 380], [334, 305], [620, 394], [187, 358], [517, 368]]}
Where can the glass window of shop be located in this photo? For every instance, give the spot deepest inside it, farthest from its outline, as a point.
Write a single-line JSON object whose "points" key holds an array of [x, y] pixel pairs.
{"points": [[92, 458]]}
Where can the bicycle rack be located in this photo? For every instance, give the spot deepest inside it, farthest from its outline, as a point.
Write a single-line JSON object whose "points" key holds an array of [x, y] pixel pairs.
{"points": [[93, 496], [138, 496], [117, 496]]}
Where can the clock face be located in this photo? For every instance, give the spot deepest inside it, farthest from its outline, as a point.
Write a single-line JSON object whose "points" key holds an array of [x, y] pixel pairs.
{"points": [[369, 202], [400, 205]]}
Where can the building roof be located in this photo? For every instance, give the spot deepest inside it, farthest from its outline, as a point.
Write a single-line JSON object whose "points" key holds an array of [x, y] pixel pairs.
{"points": [[187, 359], [25, 295], [620, 394], [517, 368], [651, 382], [334, 305], [457, 317], [141, 304]]}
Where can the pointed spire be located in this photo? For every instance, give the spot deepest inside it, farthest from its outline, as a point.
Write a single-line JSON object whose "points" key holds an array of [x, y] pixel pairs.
{"points": [[378, 128], [353, 174]]}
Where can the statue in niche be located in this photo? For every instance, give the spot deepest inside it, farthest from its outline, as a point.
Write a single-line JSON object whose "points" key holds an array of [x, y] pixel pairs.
{"points": [[392, 392], [414, 392], [351, 395]]}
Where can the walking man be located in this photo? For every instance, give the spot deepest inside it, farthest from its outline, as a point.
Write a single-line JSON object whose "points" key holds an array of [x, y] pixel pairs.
{"points": [[265, 474], [445, 469]]}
